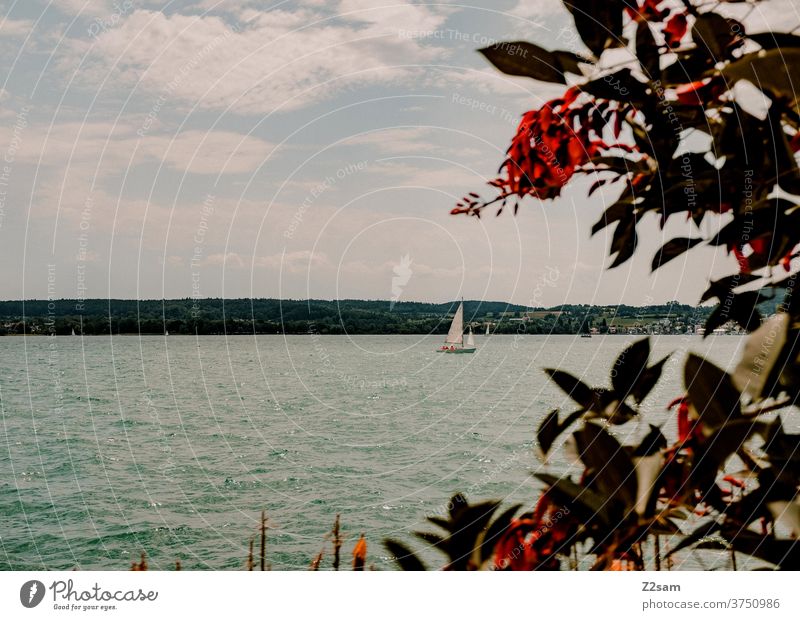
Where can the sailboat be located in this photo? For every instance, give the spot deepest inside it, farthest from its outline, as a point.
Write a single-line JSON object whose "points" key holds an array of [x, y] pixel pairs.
{"points": [[73, 332], [454, 343], [487, 329]]}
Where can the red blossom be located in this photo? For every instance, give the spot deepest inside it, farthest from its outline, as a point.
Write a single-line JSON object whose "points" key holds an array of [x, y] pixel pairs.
{"points": [[550, 145], [701, 92], [675, 29], [648, 11], [533, 542], [686, 426]]}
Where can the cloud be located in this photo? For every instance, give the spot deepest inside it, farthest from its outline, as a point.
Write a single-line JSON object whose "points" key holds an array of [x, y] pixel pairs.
{"points": [[115, 147], [293, 262], [271, 60], [15, 28]]}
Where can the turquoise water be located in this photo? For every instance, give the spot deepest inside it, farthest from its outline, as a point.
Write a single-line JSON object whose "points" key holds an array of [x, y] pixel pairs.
{"points": [[111, 446]]}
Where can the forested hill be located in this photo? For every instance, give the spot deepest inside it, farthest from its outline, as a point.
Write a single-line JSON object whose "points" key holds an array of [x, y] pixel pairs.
{"points": [[352, 316]]}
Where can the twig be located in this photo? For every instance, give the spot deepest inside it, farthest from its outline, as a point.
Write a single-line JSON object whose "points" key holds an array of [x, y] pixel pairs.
{"points": [[337, 543], [657, 551], [263, 554], [315, 563]]}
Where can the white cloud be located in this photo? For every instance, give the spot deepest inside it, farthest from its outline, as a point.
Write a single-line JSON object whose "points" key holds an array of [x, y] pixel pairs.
{"points": [[18, 28], [115, 147], [275, 59]]}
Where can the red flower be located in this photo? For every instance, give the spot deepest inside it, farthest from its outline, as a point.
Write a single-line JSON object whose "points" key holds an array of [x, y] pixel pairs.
{"points": [[675, 30], [701, 92], [534, 541], [648, 11], [548, 148], [687, 427]]}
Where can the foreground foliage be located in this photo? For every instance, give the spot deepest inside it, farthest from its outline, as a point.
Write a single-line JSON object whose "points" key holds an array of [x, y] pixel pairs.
{"points": [[674, 134]]}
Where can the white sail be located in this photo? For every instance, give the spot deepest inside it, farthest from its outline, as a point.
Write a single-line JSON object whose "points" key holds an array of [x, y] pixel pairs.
{"points": [[487, 329], [456, 333], [470, 339]]}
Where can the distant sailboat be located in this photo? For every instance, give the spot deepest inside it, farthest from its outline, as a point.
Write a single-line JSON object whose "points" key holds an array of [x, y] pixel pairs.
{"points": [[73, 332], [487, 329], [454, 343]]}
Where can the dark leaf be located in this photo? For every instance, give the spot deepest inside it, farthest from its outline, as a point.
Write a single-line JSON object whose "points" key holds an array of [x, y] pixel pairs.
{"points": [[429, 537], [525, 59], [629, 367], [496, 530], [774, 70], [624, 241], [711, 392], [782, 553], [648, 380], [724, 286], [704, 531], [672, 249], [551, 428], [586, 504], [569, 61], [712, 33], [772, 40], [598, 22], [647, 51], [617, 86], [620, 210], [404, 557], [741, 308], [609, 463], [575, 388], [754, 374], [653, 442]]}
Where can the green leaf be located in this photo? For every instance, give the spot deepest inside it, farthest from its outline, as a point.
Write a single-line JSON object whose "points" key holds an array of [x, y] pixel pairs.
{"points": [[672, 249], [525, 59]]}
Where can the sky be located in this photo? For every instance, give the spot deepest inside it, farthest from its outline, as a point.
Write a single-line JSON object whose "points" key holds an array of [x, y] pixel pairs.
{"points": [[294, 149]]}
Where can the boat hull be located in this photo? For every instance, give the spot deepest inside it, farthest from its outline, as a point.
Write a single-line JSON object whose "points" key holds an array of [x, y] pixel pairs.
{"points": [[463, 350]]}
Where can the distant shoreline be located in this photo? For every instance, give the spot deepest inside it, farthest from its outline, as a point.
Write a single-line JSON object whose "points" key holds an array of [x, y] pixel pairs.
{"points": [[216, 316]]}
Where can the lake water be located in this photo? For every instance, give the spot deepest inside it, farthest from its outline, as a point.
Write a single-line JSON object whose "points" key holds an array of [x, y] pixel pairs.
{"points": [[115, 445]]}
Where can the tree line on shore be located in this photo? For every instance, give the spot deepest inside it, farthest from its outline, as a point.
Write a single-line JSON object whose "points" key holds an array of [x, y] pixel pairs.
{"points": [[276, 316]]}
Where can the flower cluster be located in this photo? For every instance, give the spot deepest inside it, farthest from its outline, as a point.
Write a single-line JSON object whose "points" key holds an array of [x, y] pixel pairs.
{"points": [[551, 144], [534, 541]]}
